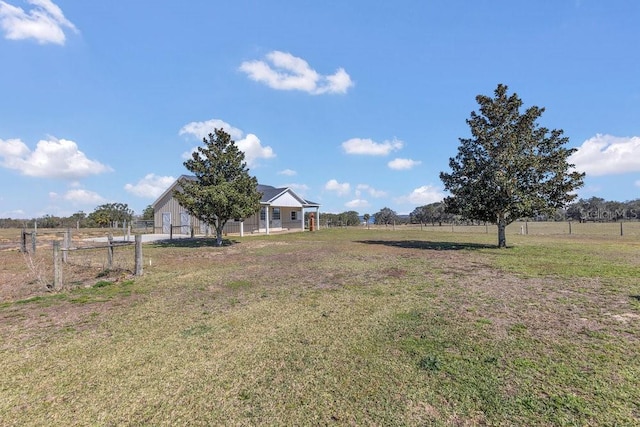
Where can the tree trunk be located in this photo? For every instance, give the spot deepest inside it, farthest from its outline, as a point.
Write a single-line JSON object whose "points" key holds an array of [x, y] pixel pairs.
{"points": [[218, 236], [502, 225], [219, 227]]}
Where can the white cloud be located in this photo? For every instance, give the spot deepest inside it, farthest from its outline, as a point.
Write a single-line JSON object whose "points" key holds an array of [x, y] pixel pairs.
{"points": [[249, 144], [357, 203], [403, 164], [151, 186], [253, 149], [83, 197], [422, 196], [288, 172], [202, 129], [371, 148], [284, 71], [340, 189], [45, 22], [370, 190], [608, 155], [53, 158]]}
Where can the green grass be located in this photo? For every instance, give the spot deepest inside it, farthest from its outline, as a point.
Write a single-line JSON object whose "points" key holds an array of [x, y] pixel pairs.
{"points": [[569, 257], [340, 327]]}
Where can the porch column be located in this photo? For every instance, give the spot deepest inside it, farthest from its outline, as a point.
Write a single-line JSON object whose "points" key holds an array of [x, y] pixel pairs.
{"points": [[318, 218], [242, 228], [302, 219], [266, 218]]}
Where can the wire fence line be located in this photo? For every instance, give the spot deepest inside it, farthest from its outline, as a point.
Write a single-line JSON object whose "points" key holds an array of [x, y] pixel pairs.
{"points": [[96, 257], [76, 263], [538, 228]]}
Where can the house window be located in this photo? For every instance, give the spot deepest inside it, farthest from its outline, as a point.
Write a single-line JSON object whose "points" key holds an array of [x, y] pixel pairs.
{"points": [[294, 215], [276, 214], [263, 214]]}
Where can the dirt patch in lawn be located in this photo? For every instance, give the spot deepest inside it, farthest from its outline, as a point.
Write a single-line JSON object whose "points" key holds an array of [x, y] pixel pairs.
{"points": [[460, 277]]}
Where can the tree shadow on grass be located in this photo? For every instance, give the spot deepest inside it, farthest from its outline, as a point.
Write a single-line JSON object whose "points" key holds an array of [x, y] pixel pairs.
{"points": [[434, 246], [196, 242]]}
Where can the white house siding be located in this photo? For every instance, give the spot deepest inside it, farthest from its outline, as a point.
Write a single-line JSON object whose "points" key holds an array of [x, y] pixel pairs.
{"points": [[251, 224], [289, 224], [286, 201], [168, 204]]}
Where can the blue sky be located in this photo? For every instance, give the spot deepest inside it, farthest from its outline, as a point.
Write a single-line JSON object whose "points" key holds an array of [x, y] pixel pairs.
{"points": [[357, 105]]}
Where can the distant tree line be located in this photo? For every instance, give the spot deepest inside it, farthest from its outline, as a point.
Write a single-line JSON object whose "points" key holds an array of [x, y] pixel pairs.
{"points": [[106, 215], [435, 214], [593, 209], [344, 219], [599, 210]]}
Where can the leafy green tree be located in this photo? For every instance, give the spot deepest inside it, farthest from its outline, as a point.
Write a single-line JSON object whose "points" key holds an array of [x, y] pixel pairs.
{"points": [[574, 211], [511, 167], [222, 188], [111, 213], [431, 213], [350, 218], [49, 221], [77, 219], [385, 216], [632, 209], [148, 213], [100, 218], [419, 215], [593, 207]]}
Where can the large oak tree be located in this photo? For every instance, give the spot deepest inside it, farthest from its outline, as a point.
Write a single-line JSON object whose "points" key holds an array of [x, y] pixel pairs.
{"points": [[222, 188], [511, 167]]}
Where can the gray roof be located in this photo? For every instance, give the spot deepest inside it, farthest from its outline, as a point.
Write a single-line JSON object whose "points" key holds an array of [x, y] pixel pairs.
{"points": [[269, 193]]}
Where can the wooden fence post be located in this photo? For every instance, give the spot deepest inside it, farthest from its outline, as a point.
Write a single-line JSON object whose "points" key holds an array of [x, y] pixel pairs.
{"points": [[138, 251], [23, 241], [66, 244], [110, 251], [621, 233], [569, 227], [57, 267], [33, 242]]}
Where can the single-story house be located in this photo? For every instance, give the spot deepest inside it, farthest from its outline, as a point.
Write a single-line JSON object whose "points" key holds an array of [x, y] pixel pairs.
{"points": [[281, 209]]}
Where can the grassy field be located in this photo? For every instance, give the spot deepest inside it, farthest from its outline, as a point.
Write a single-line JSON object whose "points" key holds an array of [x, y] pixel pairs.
{"points": [[337, 327]]}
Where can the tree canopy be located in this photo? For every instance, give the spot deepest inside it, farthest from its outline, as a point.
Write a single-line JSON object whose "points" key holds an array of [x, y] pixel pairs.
{"points": [[343, 219], [431, 213], [511, 167], [222, 188], [385, 216], [111, 213], [148, 213]]}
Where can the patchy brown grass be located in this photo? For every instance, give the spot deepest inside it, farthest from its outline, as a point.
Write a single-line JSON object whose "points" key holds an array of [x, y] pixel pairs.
{"points": [[345, 327]]}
